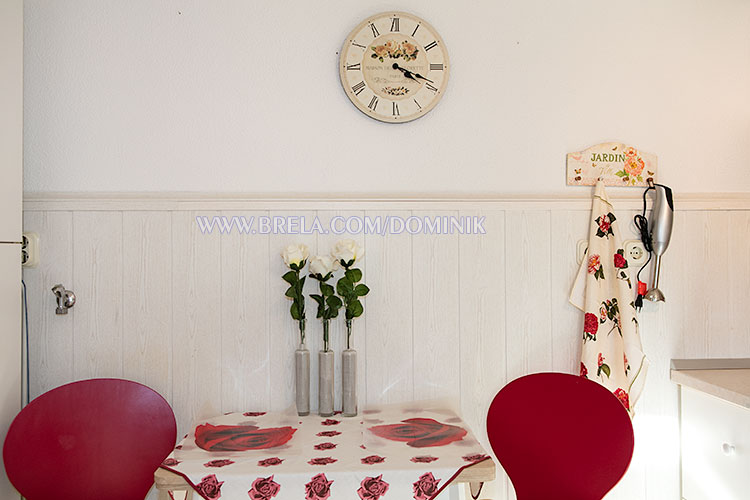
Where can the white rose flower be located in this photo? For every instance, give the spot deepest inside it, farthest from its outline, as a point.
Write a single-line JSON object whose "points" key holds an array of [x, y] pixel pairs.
{"points": [[295, 254], [322, 265], [347, 250]]}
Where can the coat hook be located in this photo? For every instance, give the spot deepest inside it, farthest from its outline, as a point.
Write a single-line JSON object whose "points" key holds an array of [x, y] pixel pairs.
{"points": [[65, 299]]}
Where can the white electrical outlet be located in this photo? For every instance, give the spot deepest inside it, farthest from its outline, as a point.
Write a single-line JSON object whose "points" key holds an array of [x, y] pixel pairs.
{"points": [[635, 252], [30, 250]]}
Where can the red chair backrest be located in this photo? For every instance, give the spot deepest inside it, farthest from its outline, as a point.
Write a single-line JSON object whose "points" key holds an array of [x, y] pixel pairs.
{"points": [[100, 438], [560, 436]]}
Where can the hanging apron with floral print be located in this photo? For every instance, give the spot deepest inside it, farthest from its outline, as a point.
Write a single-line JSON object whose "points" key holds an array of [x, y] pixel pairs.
{"points": [[612, 354]]}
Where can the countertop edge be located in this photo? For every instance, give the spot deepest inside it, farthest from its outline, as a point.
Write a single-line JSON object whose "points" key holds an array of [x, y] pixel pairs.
{"points": [[695, 379]]}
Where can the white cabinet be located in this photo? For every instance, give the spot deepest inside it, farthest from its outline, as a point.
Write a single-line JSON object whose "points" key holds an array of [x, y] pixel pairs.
{"points": [[715, 437], [11, 119]]}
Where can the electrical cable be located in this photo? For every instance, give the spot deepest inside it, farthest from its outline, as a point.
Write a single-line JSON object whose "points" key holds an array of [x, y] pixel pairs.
{"points": [[641, 223], [26, 317]]}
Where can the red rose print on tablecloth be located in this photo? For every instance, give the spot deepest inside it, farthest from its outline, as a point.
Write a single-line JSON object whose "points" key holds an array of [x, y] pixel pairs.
{"points": [[425, 487], [264, 488], [268, 462], [170, 462], [325, 446], [623, 397], [254, 413], [372, 488], [209, 487], [218, 463], [420, 432], [476, 457], [330, 421], [373, 459], [319, 488], [584, 371], [240, 437], [590, 326], [328, 433], [423, 459], [322, 461]]}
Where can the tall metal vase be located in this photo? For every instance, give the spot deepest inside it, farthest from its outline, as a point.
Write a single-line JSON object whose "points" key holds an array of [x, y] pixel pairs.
{"points": [[349, 375], [325, 376], [302, 374]]}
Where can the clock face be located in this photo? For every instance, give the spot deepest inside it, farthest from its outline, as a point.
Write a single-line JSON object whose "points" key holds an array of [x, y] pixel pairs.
{"points": [[394, 67]]}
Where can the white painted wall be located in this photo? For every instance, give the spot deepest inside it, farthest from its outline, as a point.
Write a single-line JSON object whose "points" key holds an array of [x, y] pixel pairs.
{"points": [[244, 96]]}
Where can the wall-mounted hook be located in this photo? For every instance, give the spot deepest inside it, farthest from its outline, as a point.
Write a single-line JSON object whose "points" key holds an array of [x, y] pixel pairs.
{"points": [[65, 299]]}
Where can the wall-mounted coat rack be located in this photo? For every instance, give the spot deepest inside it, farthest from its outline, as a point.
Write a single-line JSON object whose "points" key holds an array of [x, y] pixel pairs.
{"points": [[615, 163]]}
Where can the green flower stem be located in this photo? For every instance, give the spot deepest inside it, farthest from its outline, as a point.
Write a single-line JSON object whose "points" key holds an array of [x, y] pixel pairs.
{"points": [[348, 333], [302, 331], [325, 334], [300, 299]]}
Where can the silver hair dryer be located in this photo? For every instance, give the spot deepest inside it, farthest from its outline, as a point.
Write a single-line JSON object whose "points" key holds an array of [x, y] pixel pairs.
{"points": [[662, 217]]}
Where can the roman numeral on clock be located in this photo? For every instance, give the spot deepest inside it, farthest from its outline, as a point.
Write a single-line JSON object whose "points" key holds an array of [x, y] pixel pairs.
{"points": [[430, 87], [418, 105], [430, 45], [394, 24], [354, 67], [436, 67], [395, 109], [373, 103], [358, 88], [375, 32], [358, 45], [415, 30]]}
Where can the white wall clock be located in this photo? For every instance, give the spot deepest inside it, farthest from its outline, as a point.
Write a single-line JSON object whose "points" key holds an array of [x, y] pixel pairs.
{"points": [[394, 67]]}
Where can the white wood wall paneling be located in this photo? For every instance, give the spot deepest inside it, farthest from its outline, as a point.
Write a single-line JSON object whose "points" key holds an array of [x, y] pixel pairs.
{"points": [[436, 311], [97, 282], [147, 299], [696, 303], [244, 334], [50, 335], [142, 276], [196, 321], [482, 327], [337, 331], [283, 331], [738, 292], [715, 281], [389, 316], [528, 272]]}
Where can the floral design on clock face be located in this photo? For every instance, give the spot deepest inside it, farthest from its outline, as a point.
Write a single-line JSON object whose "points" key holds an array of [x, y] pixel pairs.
{"points": [[394, 67], [390, 71]]}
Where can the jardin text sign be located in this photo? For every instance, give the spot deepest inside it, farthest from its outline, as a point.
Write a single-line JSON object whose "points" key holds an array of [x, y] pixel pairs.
{"points": [[615, 163]]}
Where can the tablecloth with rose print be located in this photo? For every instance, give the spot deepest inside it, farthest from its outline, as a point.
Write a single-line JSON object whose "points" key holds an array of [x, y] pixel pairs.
{"points": [[394, 453]]}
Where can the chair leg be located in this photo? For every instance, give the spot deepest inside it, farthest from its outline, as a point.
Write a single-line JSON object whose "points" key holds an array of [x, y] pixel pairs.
{"points": [[176, 494], [473, 490]]}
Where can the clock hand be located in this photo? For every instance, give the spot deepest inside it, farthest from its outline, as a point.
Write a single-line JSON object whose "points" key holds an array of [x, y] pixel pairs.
{"points": [[423, 78], [408, 74]]}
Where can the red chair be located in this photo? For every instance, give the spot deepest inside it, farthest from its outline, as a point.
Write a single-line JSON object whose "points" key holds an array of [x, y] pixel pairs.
{"points": [[93, 439], [560, 436]]}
